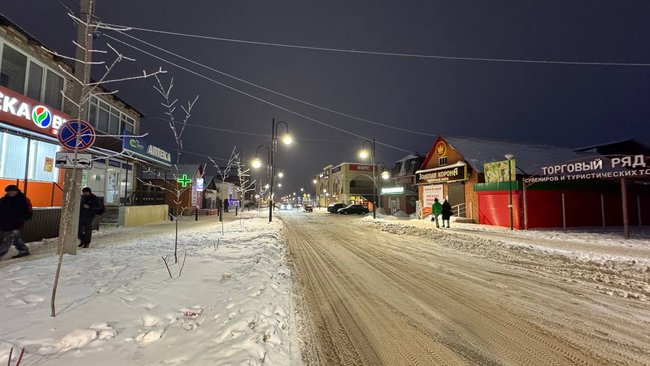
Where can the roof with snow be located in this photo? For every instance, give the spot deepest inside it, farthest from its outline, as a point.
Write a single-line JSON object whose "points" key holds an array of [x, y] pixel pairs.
{"points": [[529, 158], [409, 157]]}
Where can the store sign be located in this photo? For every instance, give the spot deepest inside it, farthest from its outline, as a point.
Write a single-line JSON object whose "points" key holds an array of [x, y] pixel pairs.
{"points": [[392, 190], [441, 148], [606, 167], [500, 171], [452, 173], [146, 151], [336, 169], [361, 167], [199, 187], [430, 193], [21, 111]]}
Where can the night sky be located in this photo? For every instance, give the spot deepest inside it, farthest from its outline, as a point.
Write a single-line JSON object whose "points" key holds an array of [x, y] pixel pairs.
{"points": [[564, 105]]}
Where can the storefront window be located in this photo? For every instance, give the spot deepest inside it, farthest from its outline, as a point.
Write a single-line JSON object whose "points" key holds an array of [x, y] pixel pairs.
{"points": [[102, 120], [41, 161], [13, 69], [53, 88], [13, 160], [35, 81]]}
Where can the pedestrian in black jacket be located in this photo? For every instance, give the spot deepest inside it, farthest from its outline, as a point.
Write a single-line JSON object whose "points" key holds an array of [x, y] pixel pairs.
{"points": [[446, 213], [90, 207], [226, 204], [15, 209]]}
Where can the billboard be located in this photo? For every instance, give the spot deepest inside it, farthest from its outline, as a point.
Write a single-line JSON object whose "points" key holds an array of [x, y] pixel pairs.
{"points": [[429, 194], [498, 171]]}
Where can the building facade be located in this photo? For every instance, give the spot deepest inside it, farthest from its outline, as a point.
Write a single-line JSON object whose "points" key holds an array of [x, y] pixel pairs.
{"points": [[349, 183], [399, 193], [32, 109]]}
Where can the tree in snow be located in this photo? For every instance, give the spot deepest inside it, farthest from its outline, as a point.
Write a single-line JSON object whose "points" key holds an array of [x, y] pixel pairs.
{"points": [[174, 187], [83, 90]]}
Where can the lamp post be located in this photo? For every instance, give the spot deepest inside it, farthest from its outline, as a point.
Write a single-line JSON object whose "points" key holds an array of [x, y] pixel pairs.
{"points": [[510, 157], [363, 154], [257, 162], [287, 140]]}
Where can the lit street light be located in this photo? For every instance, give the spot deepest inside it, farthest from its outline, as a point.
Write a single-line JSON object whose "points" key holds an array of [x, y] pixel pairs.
{"points": [[385, 175], [280, 175], [314, 181], [279, 185], [287, 139], [363, 154]]}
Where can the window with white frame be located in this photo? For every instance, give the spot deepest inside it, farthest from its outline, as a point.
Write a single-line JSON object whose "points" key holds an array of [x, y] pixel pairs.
{"points": [[108, 119], [26, 75]]}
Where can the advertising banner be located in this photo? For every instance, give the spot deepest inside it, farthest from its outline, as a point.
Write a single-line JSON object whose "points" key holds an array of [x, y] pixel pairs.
{"points": [[498, 171], [429, 194], [604, 167]]}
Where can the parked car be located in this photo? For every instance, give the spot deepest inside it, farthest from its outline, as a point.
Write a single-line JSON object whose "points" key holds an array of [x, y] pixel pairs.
{"points": [[334, 207], [309, 208], [353, 209]]}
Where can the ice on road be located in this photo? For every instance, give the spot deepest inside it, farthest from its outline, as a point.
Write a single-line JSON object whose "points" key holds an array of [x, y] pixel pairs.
{"points": [[371, 297]]}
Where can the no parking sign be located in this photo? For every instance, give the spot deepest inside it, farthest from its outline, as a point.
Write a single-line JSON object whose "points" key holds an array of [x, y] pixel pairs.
{"points": [[76, 134]]}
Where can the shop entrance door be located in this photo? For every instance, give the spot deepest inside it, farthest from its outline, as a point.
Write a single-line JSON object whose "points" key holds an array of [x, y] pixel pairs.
{"points": [[456, 193], [112, 187]]}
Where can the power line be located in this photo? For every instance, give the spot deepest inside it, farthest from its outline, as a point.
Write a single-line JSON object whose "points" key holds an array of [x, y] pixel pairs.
{"points": [[240, 132], [276, 92], [255, 97], [384, 53]]}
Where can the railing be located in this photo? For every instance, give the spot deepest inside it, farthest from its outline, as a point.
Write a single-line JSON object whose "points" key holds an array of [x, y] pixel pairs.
{"points": [[459, 210], [54, 186]]}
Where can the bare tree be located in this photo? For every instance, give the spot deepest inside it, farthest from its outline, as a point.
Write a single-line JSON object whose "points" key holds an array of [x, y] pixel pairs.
{"points": [[174, 188], [84, 91]]}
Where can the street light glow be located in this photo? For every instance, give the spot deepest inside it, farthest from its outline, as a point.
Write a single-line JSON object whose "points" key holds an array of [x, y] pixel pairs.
{"points": [[267, 186], [279, 185], [256, 163], [385, 175], [302, 189], [280, 175], [314, 181], [363, 154], [287, 139]]}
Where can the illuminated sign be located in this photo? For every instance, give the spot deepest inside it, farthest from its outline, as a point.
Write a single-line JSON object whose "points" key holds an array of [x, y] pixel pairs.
{"points": [[21, 111], [392, 190], [199, 184], [441, 148], [141, 147], [184, 181]]}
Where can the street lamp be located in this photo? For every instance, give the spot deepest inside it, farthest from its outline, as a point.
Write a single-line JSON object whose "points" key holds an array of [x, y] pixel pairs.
{"points": [[510, 157], [385, 175], [363, 154], [280, 175], [314, 181], [287, 139]]}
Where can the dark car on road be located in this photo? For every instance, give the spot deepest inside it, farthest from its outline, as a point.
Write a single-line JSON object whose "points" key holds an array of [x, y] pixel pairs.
{"points": [[354, 209], [334, 207]]}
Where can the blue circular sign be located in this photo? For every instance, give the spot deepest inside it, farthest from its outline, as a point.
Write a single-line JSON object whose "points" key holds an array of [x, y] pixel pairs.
{"points": [[76, 134]]}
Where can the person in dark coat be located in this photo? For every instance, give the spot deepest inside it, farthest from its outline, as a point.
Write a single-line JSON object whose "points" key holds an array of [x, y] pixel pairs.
{"points": [[90, 207], [446, 213], [15, 210], [226, 204]]}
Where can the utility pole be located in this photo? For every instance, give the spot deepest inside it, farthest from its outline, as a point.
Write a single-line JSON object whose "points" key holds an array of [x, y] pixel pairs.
{"points": [[69, 223]]}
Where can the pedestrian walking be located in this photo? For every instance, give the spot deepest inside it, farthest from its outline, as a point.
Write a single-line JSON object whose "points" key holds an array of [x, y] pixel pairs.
{"points": [[15, 210], [226, 204], [436, 210], [446, 213], [91, 206]]}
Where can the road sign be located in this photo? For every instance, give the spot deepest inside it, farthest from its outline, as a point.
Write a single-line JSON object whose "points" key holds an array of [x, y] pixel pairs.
{"points": [[66, 160], [76, 134]]}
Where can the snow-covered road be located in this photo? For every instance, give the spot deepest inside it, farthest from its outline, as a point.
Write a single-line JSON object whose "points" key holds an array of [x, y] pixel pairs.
{"points": [[370, 297], [118, 306]]}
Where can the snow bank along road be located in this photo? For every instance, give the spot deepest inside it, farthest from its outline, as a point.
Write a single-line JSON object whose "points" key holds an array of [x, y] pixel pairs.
{"points": [[371, 297], [118, 306]]}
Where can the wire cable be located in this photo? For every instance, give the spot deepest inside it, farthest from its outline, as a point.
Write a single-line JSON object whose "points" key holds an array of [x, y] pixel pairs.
{"points": [[275, 92], [255, 97], [384, 53]]}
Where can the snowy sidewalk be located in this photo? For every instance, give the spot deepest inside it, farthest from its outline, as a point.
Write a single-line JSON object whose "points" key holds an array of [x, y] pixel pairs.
{"points": [[117, 305]]}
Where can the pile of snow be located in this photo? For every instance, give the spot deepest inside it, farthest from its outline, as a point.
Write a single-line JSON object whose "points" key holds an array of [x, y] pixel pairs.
{"points": [[401, 214], [117, 305], [614, 274], [381, 211]]}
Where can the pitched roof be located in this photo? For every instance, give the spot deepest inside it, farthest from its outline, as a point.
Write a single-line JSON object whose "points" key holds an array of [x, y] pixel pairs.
{"points": [[529, 158]]}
